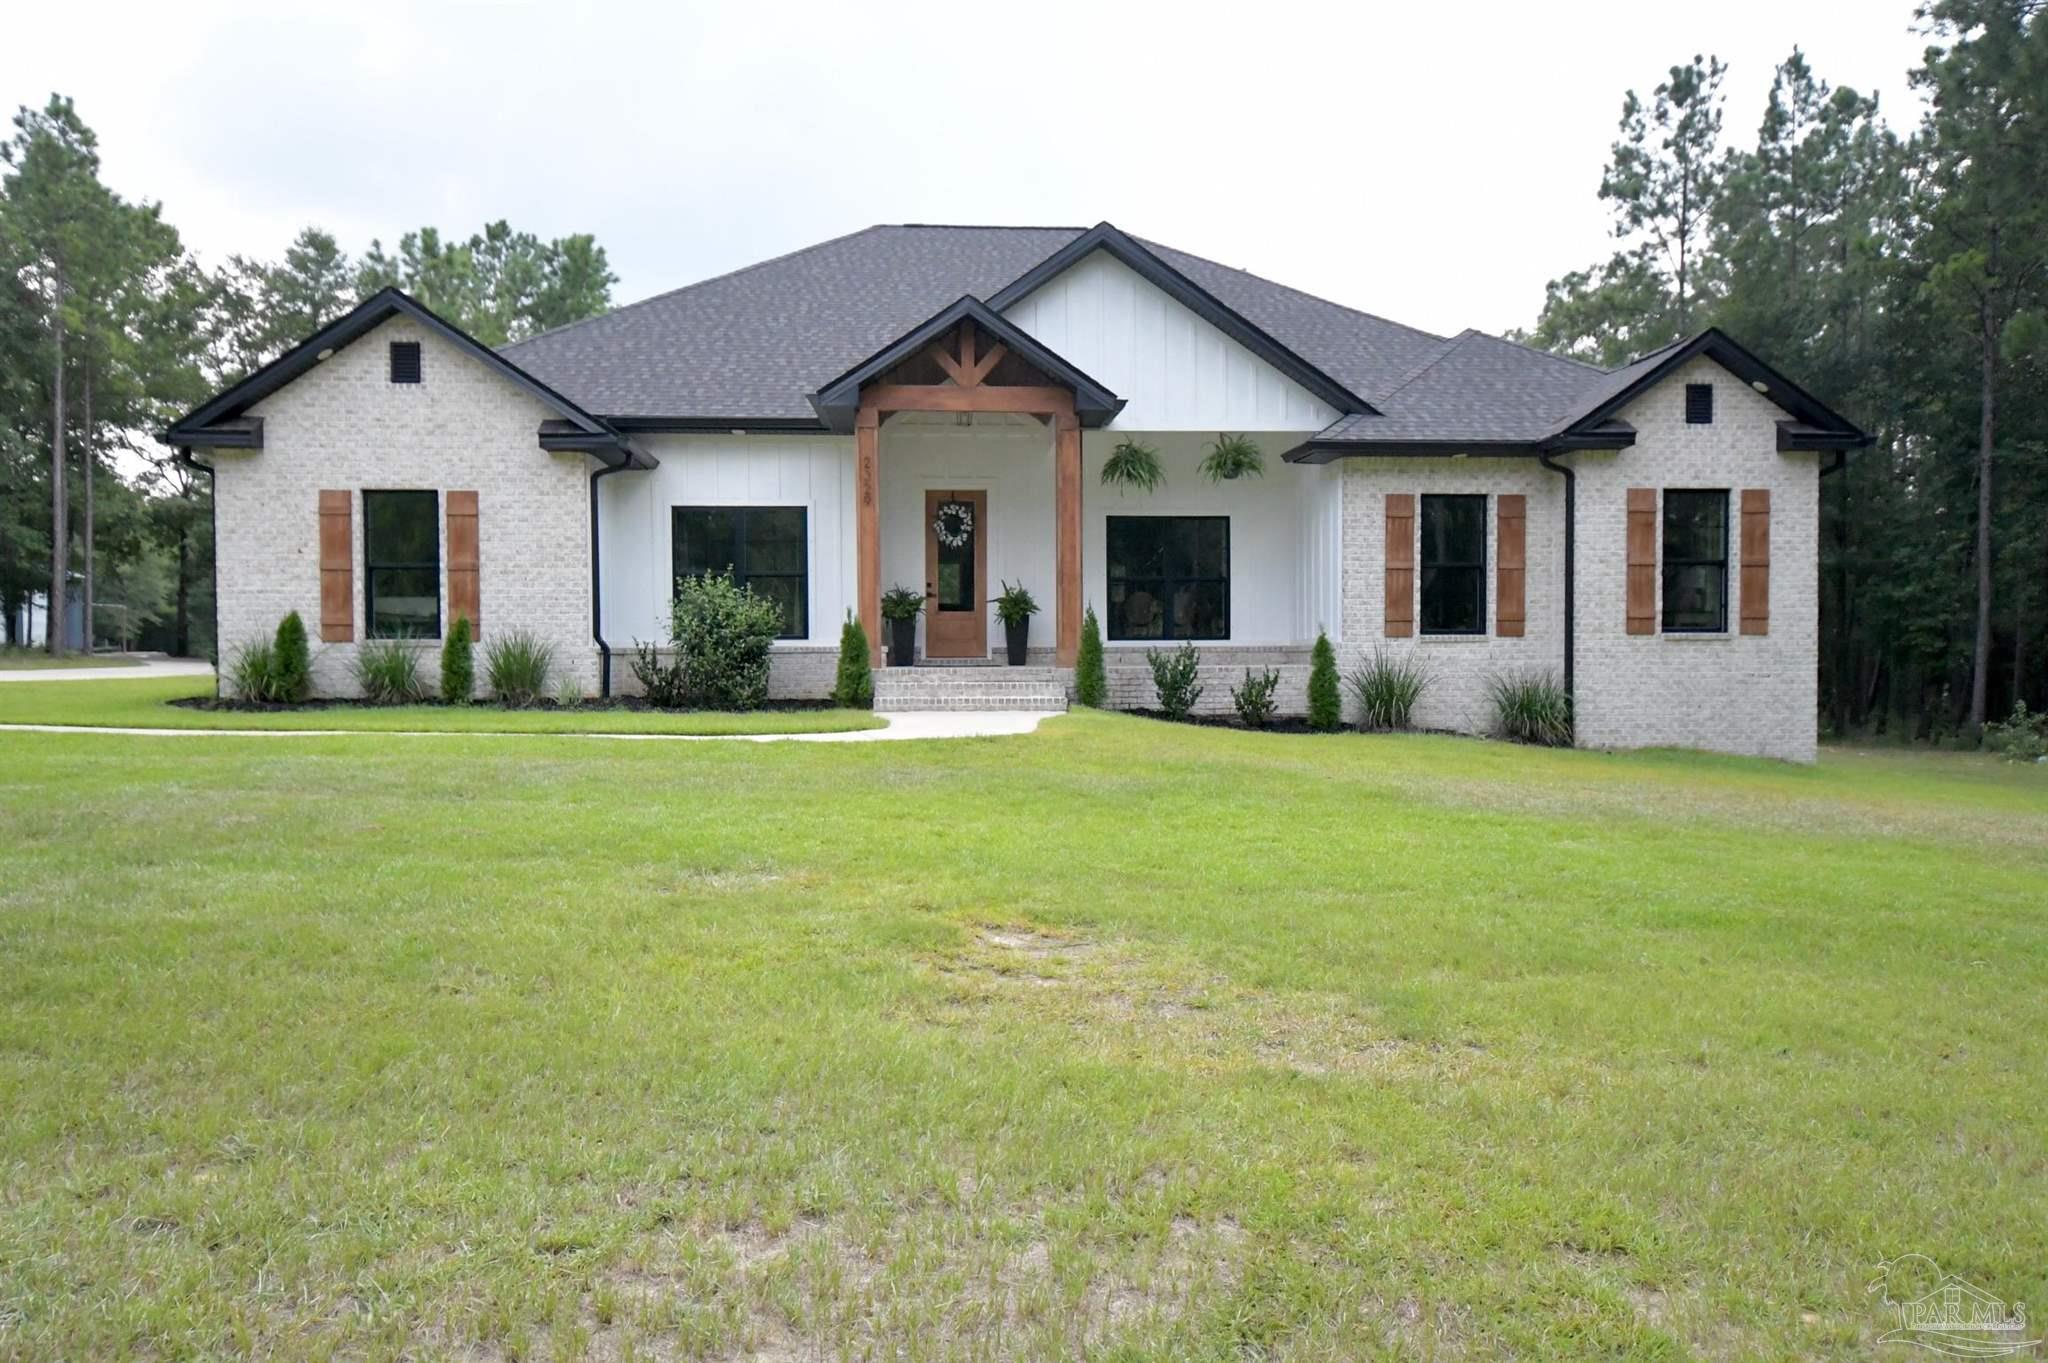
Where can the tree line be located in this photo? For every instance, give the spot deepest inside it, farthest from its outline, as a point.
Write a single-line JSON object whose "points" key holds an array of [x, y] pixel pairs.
{"points": [[1902, 276], [110, 329]]}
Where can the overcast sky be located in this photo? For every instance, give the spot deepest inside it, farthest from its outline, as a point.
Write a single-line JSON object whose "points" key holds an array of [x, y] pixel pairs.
{"points": [[1435, 163]]}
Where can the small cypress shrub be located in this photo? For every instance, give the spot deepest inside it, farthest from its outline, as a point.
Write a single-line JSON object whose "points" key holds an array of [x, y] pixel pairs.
{"points": [[1325, 702], [1174, 678], [294, 660], [855, 685], [458, 664], [1091, 679]]}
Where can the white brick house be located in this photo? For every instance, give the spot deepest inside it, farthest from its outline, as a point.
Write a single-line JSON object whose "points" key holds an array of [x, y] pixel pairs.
{"points": [[932, 407]]}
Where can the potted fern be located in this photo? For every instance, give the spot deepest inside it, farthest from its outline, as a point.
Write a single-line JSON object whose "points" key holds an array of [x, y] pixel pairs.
{"points": [[1134, 466], [901, 607], [1014, 608], [1233, 457]]}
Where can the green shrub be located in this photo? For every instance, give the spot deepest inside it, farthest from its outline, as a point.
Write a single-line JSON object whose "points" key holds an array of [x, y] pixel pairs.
{"points": [[1325, 704], [1532, 707], [254, 673], [294, 659], [855, 685], [518, 667], [1173, 677], [1257, 700], [388, 672], [663, 682], [722, 632], [1091, 679], [2021, 737], [458, 663], [1015, 605], [1387, 689]]}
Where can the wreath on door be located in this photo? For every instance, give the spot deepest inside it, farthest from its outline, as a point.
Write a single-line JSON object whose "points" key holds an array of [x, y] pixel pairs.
{"points": [[954, 523]]}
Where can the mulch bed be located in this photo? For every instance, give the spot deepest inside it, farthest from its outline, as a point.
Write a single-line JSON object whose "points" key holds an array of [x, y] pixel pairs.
{"points": [[1294, 724]]}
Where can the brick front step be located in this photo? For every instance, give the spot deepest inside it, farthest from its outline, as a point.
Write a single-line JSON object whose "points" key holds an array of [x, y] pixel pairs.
{"points": [[970, 688]]}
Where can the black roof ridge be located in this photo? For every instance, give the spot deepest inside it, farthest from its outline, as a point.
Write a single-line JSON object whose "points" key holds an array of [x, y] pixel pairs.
{"points": [[699, 283], [986, 226], [1587, 365], [1304, 293], [1436, 357]]}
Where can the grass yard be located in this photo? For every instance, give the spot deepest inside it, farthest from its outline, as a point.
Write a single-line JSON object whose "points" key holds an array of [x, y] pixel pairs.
{"points": [[14, 659], [1118, 1040], [145, 704]]}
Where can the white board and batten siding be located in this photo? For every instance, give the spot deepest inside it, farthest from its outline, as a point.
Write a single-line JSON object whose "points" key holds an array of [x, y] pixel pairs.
{"points": [[1175, 370], [813, 472]]}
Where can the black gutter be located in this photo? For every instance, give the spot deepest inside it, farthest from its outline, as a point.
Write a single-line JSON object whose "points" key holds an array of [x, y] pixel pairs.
{"points": [[604, 650], [1571, 553], [1837, 464]]}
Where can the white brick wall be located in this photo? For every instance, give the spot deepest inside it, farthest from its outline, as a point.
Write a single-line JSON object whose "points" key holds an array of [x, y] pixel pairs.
{"points": [[1752, 695], [1729, 693], [343, 424]]}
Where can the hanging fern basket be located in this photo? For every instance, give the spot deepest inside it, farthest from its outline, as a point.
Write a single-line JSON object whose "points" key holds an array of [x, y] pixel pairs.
{"points": [[1233, 457], [1134, 466]]}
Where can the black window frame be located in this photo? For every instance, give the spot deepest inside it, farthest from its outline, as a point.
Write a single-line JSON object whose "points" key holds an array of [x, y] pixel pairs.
{"points": [[1666, 563], [1699, 404], [1168, 582], [740, 571], [371, 567], [1424, 567], [415, 369]]}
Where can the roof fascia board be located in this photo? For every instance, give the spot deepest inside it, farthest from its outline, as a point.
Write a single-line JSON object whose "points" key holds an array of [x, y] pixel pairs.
{"points": [[1327, 451], [1105, 236], [360, 320]]}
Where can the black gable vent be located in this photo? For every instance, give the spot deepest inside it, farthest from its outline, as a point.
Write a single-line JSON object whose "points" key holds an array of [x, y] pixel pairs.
{"points": [[405, 361], [1699, 404]]}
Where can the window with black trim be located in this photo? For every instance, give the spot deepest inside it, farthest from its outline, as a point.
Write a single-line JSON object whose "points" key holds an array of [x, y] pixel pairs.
{"points": [[401, 565], [405, 361], [1695, 562], [1169, 577], [1454, 564], [1699, 404], [768, 548]]}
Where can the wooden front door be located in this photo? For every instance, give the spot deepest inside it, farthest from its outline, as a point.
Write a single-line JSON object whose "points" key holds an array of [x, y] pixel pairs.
{"points": [[956, 574]]}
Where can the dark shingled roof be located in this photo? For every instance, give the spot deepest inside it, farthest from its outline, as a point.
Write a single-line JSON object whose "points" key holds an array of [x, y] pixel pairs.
{"points": [[751, 345]]}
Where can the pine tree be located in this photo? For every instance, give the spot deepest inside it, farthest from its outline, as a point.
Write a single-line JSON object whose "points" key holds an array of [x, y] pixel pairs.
{"points": [[1091, 680], [1325, 702], [855, 685]]}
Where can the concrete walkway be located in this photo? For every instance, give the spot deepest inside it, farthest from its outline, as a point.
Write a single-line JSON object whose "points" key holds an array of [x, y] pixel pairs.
{"points": [[152, 665], [908, 724]]}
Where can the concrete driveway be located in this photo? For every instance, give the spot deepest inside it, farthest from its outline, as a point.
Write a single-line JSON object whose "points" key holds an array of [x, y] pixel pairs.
{"points": [[151, 665]]}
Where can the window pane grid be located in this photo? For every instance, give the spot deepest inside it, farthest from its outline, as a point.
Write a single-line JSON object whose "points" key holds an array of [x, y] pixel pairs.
{"points": [[1168, 577], [1695, 565], [766, 548], [401, 565]]}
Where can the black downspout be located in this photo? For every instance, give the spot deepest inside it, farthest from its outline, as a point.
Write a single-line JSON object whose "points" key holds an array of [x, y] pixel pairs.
{"points": [[1571, 560], [184, 456], [604, 651]]}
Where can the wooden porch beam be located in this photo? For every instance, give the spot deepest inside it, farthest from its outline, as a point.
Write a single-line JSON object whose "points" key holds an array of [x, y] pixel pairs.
{"points": [[1067, 518], [936, 397]]}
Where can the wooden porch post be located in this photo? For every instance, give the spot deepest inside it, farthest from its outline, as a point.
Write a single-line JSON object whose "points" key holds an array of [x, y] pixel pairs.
{"points": [[867, 441], [1067, 514]]}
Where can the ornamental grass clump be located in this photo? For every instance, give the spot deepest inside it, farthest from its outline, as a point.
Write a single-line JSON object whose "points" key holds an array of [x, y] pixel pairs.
{"points": [[388, 673], [1387, 689], [518, 667], [253, 671], [1531, 707]]}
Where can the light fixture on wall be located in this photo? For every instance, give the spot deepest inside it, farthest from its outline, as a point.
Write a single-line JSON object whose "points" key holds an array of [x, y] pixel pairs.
{"points": [[325, 354], [1760, 385]]}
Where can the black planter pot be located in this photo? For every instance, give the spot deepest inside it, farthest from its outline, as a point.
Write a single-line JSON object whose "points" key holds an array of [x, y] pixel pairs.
{"points": [[1017, 636], [902, 642]]}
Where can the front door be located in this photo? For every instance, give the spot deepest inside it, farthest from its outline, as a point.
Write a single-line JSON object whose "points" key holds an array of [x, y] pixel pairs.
{"points": [[956, 574]]}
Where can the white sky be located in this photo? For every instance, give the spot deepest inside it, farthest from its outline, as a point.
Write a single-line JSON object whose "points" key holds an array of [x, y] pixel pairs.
{"points": [[1432, 163]]}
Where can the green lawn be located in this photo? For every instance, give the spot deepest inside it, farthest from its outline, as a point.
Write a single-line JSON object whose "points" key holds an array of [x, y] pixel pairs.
{"points": [[145, 704], [1118, 1040], [35, 660]]}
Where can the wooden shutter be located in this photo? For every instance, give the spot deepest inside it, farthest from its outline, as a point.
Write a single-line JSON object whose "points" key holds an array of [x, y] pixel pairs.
{"points": [[1400, 564], [463, 591], [337, 568], [1756, 560], [1511, 521], [1642, 560]]}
